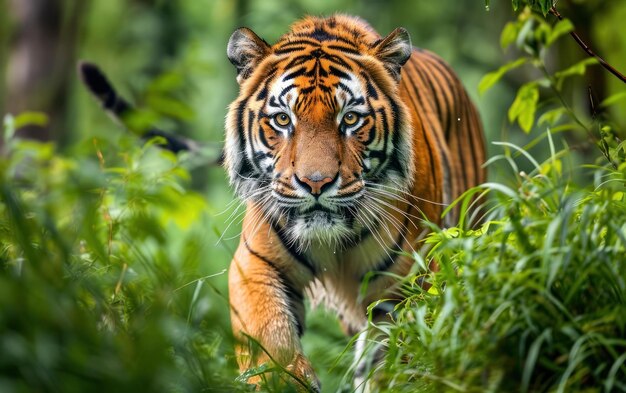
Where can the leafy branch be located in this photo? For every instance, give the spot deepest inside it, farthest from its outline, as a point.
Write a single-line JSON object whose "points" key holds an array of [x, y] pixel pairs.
{"points": [[588, 50], [533, 35]]}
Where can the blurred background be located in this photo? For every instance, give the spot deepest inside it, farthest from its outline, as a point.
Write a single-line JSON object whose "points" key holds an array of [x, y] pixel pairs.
{"points": [[169, 58]]}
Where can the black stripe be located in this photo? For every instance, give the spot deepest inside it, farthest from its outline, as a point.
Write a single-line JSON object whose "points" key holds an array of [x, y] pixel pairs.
{"points": [[449, 86], [283, 92], [297, 61], [251, 139], [348, 194], [342, 48], [345, 88], [445, 74], [301, 41], [338, 60], [273, 102], [371, 90], [262, 93], [456, 111], [389, 260], [322, 35], [246, 169], [358, 179], [289, 49], [465, 117], [394, 160], [382, 154], [371, 134], [261, 155], [301, 258], [300, 71], [336, 71], [421, 123], [429, 79], [355, 101], [477, 146], [263, 139]]}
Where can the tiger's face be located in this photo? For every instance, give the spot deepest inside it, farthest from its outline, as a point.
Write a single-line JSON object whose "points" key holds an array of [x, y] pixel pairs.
{"points": [[318, 129]]}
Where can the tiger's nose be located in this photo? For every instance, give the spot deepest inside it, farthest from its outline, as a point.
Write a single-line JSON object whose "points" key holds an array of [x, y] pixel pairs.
{"points": [[316, 183]]}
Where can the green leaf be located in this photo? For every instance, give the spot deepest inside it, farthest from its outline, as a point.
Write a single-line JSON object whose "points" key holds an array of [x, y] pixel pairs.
{"points": [[515, 4], [552, 116], [166, 82], [253, 371], [170, 107], [31, 119], [545, 6], [509, 34], [524, 106], [561, 28], [525, 39], [185, 212], [542, 6], [576, 69], [493, 77], [9, 127], [612, 99], [551, 166], [140, 120]]}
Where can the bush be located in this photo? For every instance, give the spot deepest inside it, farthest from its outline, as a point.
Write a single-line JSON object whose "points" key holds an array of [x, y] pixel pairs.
{"points": [[101, 285], [533, 300]]}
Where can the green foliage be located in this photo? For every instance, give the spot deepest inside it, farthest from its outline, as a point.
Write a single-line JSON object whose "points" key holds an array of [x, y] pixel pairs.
{"points": [[524, 107], [533, 37], [101, 287], [493, 77], [542, 6], [533, 300]]}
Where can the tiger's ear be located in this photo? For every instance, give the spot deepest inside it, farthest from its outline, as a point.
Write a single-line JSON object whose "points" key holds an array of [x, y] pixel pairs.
{"points": [[246, 50], [394, 50]]}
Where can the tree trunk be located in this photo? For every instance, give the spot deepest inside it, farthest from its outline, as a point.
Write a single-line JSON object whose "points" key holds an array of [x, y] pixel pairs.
{"points": [[41, 61]]}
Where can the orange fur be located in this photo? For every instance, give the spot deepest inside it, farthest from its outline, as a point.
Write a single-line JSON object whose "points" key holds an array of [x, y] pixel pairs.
{"points": [[416, 146]]}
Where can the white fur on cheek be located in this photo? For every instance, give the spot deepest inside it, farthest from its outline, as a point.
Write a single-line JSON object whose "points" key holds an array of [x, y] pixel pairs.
{"points": [[232, 155]]}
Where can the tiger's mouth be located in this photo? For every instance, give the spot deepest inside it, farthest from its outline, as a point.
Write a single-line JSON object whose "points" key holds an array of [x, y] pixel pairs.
{"points": [[317, 215], [319, 224], [317, 209]]}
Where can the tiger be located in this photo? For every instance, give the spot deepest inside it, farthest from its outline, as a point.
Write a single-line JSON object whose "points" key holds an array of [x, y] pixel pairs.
{"points": [[342, 144]]}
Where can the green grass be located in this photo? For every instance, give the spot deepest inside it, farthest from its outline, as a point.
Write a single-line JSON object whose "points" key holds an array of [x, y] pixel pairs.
{"points": [[532, 301], [111, 279]]}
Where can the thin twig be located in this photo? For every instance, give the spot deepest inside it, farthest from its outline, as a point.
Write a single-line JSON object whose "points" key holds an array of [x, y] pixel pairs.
{"points": [[588, 50]]}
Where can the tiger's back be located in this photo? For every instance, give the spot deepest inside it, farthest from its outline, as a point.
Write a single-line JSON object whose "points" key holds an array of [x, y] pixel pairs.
{"points": [[446, 124]]}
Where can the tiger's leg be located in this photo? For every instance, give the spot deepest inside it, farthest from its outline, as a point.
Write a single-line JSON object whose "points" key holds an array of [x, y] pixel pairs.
{"points": [[262, 309], [370, 346], [369, 349]]}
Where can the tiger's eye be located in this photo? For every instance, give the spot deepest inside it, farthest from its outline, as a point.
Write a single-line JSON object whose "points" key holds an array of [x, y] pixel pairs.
{"points": [[350, 118], [282, 119]]}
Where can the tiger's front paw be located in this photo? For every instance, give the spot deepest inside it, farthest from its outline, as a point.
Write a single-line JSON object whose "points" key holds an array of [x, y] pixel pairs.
{"points": [[306, 380]]}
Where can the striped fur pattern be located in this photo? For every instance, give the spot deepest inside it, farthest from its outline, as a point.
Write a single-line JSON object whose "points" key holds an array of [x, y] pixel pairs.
{"points": [[340, 142]]}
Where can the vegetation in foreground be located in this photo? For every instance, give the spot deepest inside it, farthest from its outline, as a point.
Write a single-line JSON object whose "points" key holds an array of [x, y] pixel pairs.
{"points": [[532, 300]]}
